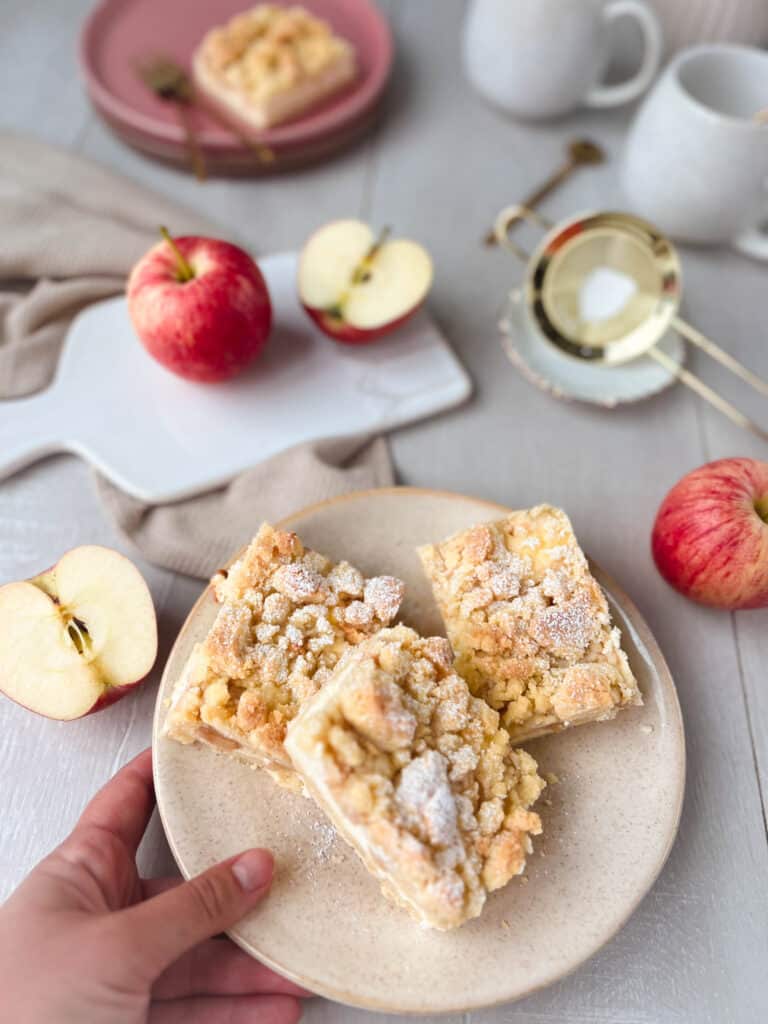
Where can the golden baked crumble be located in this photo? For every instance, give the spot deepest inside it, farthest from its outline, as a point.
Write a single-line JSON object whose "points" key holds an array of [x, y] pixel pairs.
{"points": [[529, 623], [272, 62], [287, 614], [418, 776]]}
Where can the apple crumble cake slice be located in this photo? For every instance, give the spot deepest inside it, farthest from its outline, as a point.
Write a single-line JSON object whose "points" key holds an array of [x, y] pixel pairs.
{"points": [[418, 776], [271, 63], [529, 623], [287, 614]]}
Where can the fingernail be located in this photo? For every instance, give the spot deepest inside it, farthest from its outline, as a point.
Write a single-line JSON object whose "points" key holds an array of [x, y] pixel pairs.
{"points": [[253, 869]]}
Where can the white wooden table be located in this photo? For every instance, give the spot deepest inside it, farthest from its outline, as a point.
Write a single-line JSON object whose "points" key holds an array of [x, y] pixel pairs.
{"points": [[697, 949]]}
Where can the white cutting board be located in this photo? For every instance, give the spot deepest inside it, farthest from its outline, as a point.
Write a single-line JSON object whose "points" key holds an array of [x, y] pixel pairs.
{"points": [[161, 438]]}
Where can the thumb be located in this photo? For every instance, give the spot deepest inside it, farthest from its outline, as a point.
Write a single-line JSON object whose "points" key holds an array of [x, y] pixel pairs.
{"points": [[161, 929]]}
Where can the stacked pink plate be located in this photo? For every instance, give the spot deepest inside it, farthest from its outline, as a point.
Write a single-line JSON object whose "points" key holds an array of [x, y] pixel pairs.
{"points": [[119, 34]]}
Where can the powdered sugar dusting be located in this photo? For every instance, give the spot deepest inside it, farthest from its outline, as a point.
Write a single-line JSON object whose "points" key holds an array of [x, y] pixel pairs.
{"points": [[384, 594], [566, 628], [505, 580], [324, 837], [425, 799], [346, 579], [300, 583], [358, 614]]}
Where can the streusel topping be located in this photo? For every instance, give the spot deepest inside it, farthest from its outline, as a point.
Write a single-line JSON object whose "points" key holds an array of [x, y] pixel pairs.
{"points": [[282, 626], [270, 49], [418, 775], [529, 623]]}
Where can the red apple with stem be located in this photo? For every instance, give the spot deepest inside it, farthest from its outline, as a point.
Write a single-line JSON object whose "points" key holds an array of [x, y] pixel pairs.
{"points": [[356, 286], [78, 637], [710, 538], [200, 306]]}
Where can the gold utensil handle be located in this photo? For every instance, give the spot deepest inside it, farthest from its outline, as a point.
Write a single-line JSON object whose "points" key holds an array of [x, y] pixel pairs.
{"points": [[511, 215], [713, 350], [536, 197], [579, 153], [707, 393], [264, 154], [196, 158]]}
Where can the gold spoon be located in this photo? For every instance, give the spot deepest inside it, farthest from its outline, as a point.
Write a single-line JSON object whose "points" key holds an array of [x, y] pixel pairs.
{"points": [[580, 153], [170, 82]]}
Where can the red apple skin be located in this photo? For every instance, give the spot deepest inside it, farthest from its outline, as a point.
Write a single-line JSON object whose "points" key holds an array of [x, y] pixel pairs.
{"points": [[210, 327], [710, 537], [112, 695], [347, 335]]}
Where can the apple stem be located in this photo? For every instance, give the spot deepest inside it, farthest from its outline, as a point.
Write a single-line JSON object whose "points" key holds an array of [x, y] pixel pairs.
{"points": [[761, 507], [186, 273]]}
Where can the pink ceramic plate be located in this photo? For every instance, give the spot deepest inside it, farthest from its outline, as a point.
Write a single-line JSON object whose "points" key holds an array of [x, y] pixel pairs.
{"points": [[117, 33]]}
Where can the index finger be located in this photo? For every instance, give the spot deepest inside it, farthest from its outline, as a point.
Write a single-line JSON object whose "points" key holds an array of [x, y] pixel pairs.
{"points": [[125, 804]]}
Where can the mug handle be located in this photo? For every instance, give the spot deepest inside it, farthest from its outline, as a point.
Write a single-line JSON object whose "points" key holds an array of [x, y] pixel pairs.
{"points": [[752, 242], [614, 95]]}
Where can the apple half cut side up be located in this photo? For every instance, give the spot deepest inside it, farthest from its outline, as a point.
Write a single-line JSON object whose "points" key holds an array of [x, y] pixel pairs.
{"points": [[357, 287], [76, 638]]}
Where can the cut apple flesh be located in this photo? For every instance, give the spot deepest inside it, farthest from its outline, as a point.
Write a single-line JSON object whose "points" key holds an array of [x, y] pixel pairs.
{"points": [[106, 592], [76, 632], [348, 274], [40, 666]]}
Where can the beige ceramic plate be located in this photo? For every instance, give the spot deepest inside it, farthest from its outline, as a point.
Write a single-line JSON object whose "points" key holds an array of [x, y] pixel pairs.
{"points": [[609, 822]]}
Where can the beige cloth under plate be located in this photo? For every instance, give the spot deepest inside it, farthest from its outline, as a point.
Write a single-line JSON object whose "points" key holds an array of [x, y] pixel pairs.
{"points": [[71, 230]]}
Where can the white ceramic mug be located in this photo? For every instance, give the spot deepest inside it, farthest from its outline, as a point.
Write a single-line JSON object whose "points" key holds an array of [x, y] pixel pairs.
{"points": [[696, 159], [542, 58]]}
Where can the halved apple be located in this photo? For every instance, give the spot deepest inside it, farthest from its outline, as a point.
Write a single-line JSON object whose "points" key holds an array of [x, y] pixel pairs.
{"points": [[78, 637], [357, 287]]}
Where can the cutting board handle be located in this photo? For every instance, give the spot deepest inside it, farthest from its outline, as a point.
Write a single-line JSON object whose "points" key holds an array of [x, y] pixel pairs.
{"points": [[28, 428]]}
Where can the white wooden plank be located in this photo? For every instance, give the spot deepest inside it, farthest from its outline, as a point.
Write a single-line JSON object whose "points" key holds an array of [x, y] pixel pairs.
{"points": [[686, 954], [696, 949], [725, 291], [39, 82], [51, 768]]}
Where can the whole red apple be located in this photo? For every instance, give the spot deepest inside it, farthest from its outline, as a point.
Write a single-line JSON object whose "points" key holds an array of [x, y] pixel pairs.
{"points": [[710, 538], [200, 306]]}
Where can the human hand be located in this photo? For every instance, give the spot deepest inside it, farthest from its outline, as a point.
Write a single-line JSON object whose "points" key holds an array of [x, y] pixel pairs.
{"points": [[85, 940]]}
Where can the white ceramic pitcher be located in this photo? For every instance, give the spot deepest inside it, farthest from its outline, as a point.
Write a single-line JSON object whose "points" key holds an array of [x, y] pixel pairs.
{"points": [[543, 58]]}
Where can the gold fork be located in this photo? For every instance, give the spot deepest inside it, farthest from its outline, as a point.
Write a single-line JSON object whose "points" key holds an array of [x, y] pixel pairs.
{"points": [[170, 82]]}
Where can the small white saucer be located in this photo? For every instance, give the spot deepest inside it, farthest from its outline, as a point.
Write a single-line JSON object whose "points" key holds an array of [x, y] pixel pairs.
{"points": [[569, 378]]}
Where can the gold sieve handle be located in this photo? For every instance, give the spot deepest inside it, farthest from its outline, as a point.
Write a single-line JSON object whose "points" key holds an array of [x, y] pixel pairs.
{"points": [[511, 215], [723, 357], [704, 390]]}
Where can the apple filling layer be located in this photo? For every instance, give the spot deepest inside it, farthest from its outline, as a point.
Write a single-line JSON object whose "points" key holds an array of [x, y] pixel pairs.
{"points": [[287, 615], [418, 776], [529, 623]]}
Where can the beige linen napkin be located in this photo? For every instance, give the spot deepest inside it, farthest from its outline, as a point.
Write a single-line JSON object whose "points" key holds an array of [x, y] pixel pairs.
{"points": [[71, 231]]}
